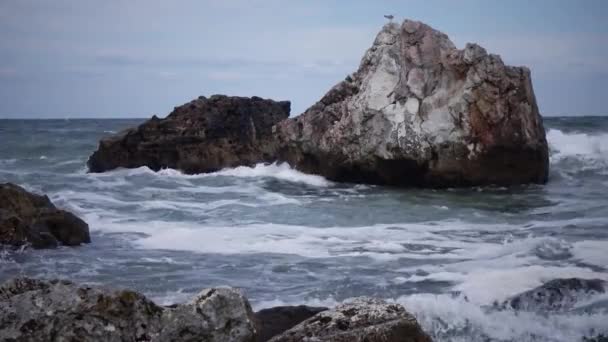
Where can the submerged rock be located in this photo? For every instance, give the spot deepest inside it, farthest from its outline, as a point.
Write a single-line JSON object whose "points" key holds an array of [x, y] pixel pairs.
{"points": [[556, 295], [273, 321], [417, 112], [362, 319], [204, 135], [27, 218], [36, 310]]}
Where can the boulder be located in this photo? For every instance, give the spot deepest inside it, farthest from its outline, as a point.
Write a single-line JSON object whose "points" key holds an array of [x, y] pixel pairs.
{"points": [[362, 319], [420, 112], [36, 310], [556, 295], [417, 112], [27, 218], [204, 135], [273, 321]]}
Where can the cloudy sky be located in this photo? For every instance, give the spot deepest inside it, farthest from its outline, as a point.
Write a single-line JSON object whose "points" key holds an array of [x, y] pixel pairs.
{"points": [[135, 58]]}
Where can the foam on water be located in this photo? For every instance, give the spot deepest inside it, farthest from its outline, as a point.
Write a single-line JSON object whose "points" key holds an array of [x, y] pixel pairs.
{"points": [[590, 148], [279, 171]]}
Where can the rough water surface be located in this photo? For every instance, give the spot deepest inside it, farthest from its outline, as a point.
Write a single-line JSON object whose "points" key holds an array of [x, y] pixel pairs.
{"points": [[290, 238]]}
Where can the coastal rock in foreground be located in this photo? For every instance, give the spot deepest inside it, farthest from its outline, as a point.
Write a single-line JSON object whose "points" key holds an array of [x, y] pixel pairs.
{"points": [[41, 310], [362, 319], [273, 321], [36, 310], [556, 295], [420, 112], [204, 135], [27, 218], [417, 112]]}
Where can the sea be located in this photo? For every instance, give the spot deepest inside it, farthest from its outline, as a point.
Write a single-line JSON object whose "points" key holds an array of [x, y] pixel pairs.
{"points": [[286, 238]]}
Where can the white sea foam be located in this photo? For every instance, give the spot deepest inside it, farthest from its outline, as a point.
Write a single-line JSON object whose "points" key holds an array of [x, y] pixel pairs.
{"points": [[457, 319], [592, 252], [589, 147], [279, 171]]}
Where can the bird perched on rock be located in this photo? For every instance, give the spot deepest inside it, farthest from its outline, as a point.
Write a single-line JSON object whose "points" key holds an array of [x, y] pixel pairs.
{"points": [[390, 17]]}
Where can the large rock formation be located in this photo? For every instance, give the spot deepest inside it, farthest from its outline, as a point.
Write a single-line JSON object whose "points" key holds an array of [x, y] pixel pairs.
{"points": [[361, 320], [204, 135], [27, 218], [417, 112], [421, 112], [40, 310]]}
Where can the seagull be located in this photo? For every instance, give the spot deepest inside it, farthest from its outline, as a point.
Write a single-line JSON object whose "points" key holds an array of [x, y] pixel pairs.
{"points": [[390, 17]]}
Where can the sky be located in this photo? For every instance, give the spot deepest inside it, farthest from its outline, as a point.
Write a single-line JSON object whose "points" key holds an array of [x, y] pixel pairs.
{"points": [[136, 58]]}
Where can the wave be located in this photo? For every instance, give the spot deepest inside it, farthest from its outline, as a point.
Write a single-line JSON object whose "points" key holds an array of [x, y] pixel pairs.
{"points": [[455, 318], [281, 171], [586, 147]]}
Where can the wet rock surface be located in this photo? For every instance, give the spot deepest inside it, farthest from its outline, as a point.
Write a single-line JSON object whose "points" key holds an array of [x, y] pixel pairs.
{"points": [[556, 295], [362, 319], [273, 321], [27, 218]]}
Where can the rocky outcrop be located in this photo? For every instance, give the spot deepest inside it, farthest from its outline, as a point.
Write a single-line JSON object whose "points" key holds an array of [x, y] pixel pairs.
{"points": [[362, 319], [56, 310], [35, 310], [420, 112], [27, 218], [417, 112], [273, 321], [556, 295], [204, 135]]}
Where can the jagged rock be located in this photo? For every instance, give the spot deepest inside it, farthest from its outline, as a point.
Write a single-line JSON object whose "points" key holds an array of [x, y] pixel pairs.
{"points": [[362, 319], [556, 295], [204, 135], [273, 321], [417, 112], [36, 310], [27, 218]]}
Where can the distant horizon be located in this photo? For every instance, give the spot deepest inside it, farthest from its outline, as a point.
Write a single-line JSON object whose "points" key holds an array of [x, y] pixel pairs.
{"points": [[79, 59]]}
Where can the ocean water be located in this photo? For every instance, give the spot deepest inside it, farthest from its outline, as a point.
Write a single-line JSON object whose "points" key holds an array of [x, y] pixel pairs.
{"points": [[285, 237]]}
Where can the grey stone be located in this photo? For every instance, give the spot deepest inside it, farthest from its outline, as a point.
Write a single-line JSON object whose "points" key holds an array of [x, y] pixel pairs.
{"points": [[362, 319], [37, 310]]}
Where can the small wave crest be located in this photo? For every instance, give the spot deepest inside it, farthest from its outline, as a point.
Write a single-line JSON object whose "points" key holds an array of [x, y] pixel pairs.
{"points": [[279, 171], [589, 148]]}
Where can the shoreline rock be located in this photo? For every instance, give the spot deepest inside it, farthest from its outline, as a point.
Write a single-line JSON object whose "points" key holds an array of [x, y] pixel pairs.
{"points": [[418, 112], [36, 310], [27, 218]]}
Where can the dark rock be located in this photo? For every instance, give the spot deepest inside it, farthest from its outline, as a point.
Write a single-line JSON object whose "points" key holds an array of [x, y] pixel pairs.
{"points": [[363, 319], [556, 295], [204, 135], [27, 218], [417, 112], [273, 321], [36, 310]]}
